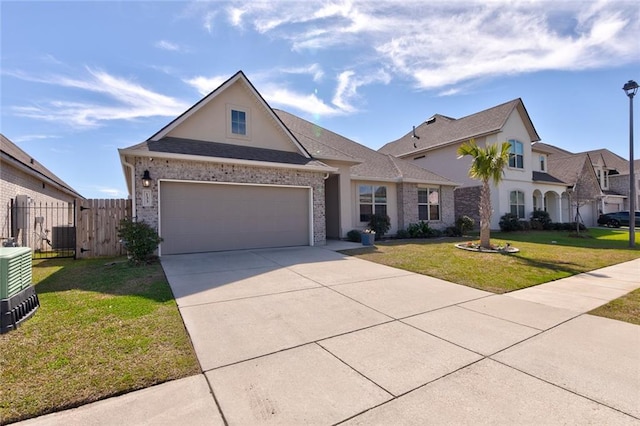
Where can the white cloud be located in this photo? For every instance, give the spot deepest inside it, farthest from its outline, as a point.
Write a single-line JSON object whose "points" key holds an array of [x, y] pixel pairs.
{"points": [[205, 85], [124, 100], [167, 45], [33, 137], [348, 84], [280, 96], [315, 70], [441, 44]]}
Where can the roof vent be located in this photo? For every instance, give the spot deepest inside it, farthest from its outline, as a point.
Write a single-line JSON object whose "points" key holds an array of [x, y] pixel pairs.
{"points": [[431, 120], [31, 160]]}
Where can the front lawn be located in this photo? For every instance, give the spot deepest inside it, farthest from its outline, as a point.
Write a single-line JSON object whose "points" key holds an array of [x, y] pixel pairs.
{"points": [[544, 256], [625, 308], [103, 328]]}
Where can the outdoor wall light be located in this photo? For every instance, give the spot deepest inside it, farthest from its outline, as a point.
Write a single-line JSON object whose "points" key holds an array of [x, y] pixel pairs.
{"points": [[146, 179]]}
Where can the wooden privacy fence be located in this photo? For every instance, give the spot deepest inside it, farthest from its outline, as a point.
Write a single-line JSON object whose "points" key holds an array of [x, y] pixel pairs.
{"points": [[97, 226]]}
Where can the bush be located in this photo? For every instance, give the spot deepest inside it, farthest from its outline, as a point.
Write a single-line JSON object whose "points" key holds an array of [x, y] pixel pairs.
{"points": [[354, 236], [452, 231], [420, 230], [464, 224], [380, 223], [509, 222], [139, 239], [402, 234], [540, 220]]}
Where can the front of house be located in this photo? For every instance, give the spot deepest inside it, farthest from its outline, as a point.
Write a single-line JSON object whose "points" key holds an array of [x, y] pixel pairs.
{"points": [[538, 176], [231, 173]]}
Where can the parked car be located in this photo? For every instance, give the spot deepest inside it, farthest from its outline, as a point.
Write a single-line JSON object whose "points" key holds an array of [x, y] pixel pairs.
{"points": [[617, 219]]}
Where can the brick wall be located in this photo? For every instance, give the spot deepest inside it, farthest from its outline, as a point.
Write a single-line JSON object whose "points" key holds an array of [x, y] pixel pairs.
{"points": [[14, 181], [215, 172], [467, 202], [408, 206]]}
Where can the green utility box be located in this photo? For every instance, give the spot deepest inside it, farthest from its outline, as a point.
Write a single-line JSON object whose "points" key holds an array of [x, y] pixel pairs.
{"points": [[18, 298]]}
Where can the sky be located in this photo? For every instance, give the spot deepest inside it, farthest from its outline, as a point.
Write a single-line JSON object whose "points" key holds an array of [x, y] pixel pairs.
{"points": [[80, 79]]}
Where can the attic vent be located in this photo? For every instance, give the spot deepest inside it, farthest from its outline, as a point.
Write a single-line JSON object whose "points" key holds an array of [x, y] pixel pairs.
{"points": [[431, 120], [419, 157], [31, 160]]}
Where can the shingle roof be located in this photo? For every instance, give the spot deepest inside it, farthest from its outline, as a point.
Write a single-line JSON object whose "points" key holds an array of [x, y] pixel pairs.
{"points": [[545, 177], [326, 144], [611, 160], [222, 150], [15, 153], [549, 149], [441, 130], [567, 168]]}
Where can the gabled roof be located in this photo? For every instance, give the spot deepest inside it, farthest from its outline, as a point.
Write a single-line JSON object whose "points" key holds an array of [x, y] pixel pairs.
{"points": [[237, 77], [14, 154], [440, 130], [368, 164], [610, 160], [567, 168]]}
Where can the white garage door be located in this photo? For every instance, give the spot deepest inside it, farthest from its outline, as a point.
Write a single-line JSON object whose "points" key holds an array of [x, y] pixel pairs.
{"points": [[201, 217]]}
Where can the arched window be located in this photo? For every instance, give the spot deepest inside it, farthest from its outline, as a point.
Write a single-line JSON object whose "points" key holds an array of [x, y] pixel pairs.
{"points": [[516, 202], [516, 154]]}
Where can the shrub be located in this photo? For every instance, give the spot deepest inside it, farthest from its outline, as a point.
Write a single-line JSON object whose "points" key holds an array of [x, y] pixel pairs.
{"points": [[139, 239], [420, 230], [380, 223], [509, 222], [354, 236], [464, 224], [453, 231], [540, 220], [402, 234]]}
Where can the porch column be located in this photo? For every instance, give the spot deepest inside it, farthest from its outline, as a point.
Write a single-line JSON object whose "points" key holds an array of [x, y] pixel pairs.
{"points": [[559, 206]]}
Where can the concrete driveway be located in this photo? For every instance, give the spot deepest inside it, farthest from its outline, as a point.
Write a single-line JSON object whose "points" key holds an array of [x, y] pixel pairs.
{"points": [[309, 336]]}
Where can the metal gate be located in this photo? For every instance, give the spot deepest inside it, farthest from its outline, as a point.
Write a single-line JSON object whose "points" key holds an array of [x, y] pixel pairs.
{"points": [[48, 228]]}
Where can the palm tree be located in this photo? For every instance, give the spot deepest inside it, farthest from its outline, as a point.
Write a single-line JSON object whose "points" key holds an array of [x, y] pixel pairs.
{"points": [[488, 164]]}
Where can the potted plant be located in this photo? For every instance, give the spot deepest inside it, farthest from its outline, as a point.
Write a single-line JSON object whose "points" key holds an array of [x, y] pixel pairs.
{"points": [[368, 237]]}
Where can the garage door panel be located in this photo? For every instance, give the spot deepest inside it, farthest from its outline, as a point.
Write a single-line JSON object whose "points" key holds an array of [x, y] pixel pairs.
{"points": [[212, 217]]}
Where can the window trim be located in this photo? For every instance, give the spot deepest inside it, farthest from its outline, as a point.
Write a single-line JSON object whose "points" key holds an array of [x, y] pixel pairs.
{"points": [[517, 204], [247, 116], [373, 203], [514, 143], [429, 204]]}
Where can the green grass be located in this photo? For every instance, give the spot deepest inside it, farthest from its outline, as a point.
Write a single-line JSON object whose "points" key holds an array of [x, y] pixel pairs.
{"points": [[625, 308], [103, 328], [544, 256]]}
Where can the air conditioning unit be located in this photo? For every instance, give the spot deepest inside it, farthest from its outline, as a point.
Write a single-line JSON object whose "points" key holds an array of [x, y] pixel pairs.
{"points": [[18, 298]]}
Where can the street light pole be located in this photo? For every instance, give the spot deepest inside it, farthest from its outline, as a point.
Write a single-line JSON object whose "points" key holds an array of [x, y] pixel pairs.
{"points": [[631, 88]]}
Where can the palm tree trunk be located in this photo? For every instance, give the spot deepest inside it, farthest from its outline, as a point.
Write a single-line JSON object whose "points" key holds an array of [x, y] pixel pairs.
{"points": [[485, 215]]}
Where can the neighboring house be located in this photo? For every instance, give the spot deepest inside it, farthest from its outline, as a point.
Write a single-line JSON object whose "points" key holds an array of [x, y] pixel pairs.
{"points": [[231, 173], [620, 184], [37, 206], [527, 183], [569, 186]]}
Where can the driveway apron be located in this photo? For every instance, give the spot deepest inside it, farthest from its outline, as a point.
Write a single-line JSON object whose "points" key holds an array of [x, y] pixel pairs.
{"points": [[307, 335]]}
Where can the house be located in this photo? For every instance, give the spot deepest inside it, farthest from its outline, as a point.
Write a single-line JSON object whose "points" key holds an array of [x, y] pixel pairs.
{"points": [[232, 173], [527, 183], [37, 206], [569, 186], [619, 183]]}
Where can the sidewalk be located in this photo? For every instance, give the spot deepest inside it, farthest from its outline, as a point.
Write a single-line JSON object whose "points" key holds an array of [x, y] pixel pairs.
{"points": [[530, 356]]}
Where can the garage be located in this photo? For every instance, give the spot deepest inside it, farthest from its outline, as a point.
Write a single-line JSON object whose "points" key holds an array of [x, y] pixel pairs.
{"points": [[204, 216]]}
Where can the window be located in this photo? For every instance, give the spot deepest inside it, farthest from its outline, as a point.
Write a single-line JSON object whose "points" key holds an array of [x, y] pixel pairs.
{"points": [[373, 199], [542, 163], [238, 122], [516, 154], [606, 179], [428, 204], [516, 201]]}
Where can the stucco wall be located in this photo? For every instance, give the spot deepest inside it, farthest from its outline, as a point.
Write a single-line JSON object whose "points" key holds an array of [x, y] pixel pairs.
{"points": [[215, 172]]}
